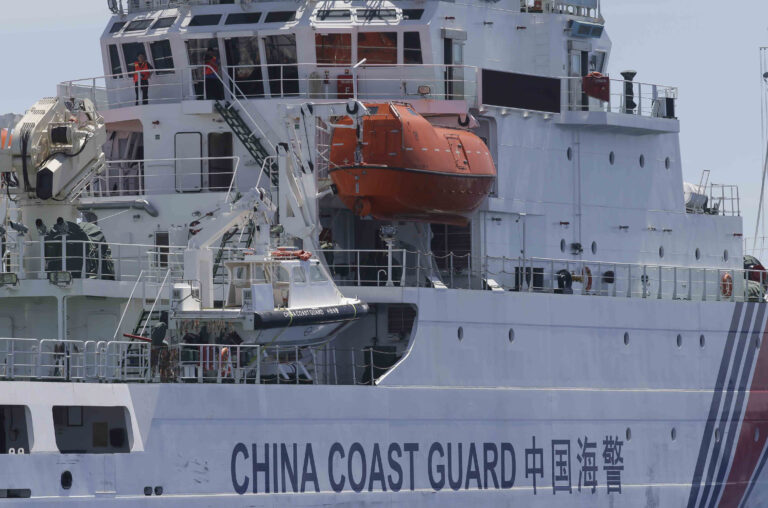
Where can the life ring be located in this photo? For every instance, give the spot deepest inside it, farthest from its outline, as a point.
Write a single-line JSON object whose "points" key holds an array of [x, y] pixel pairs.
{"points": [[305, 255], [595, 74], [586, 278], [726, 285]]}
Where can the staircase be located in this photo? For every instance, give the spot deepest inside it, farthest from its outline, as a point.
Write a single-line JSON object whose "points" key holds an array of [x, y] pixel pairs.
{"points": [[247, 137], [150, 319], [236, 239]]}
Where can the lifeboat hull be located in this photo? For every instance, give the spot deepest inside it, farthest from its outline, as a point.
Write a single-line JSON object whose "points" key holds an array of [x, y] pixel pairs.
{"points": [[404, 168], [390, 193]]}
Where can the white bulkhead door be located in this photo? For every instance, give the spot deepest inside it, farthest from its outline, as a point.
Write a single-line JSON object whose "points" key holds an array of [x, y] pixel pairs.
{"points": [[189, 164]]}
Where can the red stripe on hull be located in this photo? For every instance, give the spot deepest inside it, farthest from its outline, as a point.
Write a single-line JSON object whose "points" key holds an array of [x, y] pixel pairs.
{"points": [[748, 450]]}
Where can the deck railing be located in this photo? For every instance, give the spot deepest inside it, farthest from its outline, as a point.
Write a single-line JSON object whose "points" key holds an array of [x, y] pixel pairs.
{"points": [[645, 99], [283, 81], [139, 361]]}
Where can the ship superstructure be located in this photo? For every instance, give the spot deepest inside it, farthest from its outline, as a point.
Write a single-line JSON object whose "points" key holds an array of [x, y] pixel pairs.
{"points": [[411, 253]]}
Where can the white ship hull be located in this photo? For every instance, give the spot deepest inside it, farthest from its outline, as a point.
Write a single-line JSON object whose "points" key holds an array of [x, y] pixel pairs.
{"points": [[678, 413]]}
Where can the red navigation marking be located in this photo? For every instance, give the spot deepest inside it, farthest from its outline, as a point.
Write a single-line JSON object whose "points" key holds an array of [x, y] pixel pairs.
{"points": [[748, 450]]}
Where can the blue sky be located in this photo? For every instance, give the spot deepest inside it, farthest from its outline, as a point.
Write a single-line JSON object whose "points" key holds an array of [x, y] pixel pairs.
{"points": [[708, 49]]}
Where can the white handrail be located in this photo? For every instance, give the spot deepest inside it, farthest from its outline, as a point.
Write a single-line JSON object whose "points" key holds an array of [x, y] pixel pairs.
{"points": [[159, 292], [128, 304]]}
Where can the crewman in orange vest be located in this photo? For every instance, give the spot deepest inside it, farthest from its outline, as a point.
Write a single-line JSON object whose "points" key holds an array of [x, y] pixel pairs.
{"points": [[141, 73], [213, 88]]}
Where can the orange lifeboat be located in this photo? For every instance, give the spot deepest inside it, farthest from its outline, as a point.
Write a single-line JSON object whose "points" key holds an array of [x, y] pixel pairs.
{"points": [[409, 169]]}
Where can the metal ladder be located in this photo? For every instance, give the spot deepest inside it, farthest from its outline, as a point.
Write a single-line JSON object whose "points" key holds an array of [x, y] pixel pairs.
{"points": [[236, 238], [247, 137]]}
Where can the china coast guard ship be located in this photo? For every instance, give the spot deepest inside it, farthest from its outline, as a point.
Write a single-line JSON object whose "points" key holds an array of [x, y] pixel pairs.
{"points": [[371, 253]]}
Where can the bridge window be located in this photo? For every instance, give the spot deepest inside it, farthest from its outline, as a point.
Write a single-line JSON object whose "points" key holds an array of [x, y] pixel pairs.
{"points": [[205, 20], [282, 60], [164, 22], [116, 27], [412, 48], [14, 430], [333, 49], [333, 14], [412, 14], [245, 65], [162, 242], [162, 58], [131, 52], [116, 69], [138, 25], [243, 18], [280, 16], [92, 429], [377, 47], [376, 14]]}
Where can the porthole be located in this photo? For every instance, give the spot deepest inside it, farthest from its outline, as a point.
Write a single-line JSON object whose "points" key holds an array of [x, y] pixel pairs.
{"points": [[460, 333], [661, 251], [673, 434], [679, 340], [717, 435], [569, 153], [612, 158], [757, 434], [626, 338], [594, 247], [702, 341], [698, 254], [629, 434], [562, 245], [667, 163], [725, 255], [66, 480], [511, 335], [642, 161]]}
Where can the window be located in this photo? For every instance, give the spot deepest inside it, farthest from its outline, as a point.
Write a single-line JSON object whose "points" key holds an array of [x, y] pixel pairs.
{"points": [[333, 14], [92, 429], [245, 65], [138, 25], [14, 431], [161, 248], [131, 53], [298, 275], [281, 58], [243, 18], [117, 27], [376, 14], [196, 49], [282, 274], [205, 20], [412, 48], [451, 239], [164, 22], [377, 47], [161, 56], [280, 16], [220, 171], [333, 49], [412, 14], [316, 274], [114, 62]]}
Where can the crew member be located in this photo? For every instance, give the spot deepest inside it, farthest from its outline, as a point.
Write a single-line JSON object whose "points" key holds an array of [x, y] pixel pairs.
{"points": [[213, 88], [141, 73]]}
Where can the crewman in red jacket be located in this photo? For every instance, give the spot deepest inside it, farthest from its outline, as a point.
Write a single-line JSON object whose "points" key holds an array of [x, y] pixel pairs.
{"points": [[141, 73]]}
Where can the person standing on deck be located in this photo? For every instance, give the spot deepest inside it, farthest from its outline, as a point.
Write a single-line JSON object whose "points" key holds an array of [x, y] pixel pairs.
{"points": [[213, 88], [141, 73]]}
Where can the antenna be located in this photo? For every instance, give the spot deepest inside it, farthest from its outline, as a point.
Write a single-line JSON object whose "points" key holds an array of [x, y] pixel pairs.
{"points": [[764, 126]]}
